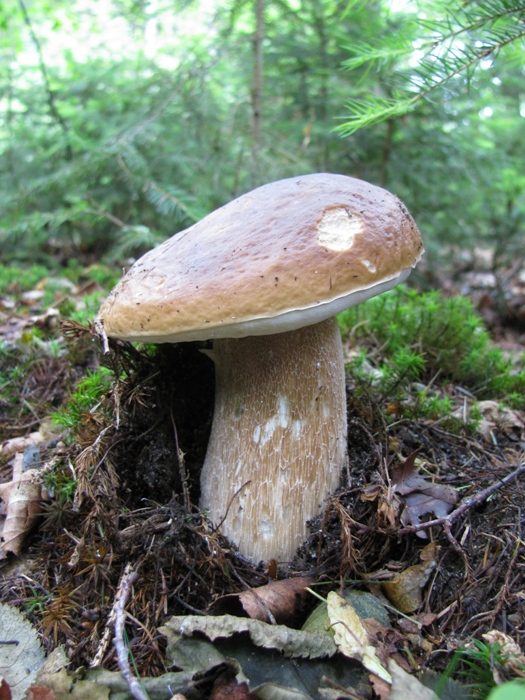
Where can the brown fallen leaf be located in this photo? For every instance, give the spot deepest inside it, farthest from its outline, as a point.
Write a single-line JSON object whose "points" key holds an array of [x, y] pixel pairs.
{"points": [[19, 444], [227, 687], [498, 417], [381, 688], [278, 601], [405, 591], [40, 692], [23, 498], [421, 496], [5, 690], [386, 640]]}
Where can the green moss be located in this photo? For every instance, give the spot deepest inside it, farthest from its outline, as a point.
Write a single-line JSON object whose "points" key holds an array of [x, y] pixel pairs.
{"points": [[418, 336], [84, 401], [21, 279]]}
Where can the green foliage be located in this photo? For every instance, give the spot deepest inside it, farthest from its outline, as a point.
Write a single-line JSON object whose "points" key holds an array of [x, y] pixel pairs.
{"points": [[60, 484], [146, 138], [118, 150], [84, 401], [514, 690], [103, 275], [12, 373], [477, 664], [16, 279], [85, 312], [454, 43], [420, 335], [37, 603]]}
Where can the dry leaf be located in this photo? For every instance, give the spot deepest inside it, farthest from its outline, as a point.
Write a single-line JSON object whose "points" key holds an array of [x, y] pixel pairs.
{"points": [[40, 692], [5, 690], [21, 654], [405, 590], [52, 680], [351, 637], [510, 648], [278, 601], [32, 297], [366, 604], [271, 691], [23, 502], [498, 417], [407, 687], [294, 643], [87, 690], [19, 444], [381, 688], [227, 687], [421, 496]]}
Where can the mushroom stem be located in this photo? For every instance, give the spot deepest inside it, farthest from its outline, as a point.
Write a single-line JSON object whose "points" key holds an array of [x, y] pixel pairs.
{"points": [[278, 440]]}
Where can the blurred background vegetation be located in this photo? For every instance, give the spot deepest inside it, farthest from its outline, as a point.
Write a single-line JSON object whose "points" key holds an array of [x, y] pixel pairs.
{"points": [[123, 121]]}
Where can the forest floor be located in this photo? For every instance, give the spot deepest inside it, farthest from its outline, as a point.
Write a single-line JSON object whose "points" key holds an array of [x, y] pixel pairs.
{"points": [[428, 520]]}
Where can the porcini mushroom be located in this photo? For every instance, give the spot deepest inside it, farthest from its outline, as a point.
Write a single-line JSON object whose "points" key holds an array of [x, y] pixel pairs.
{"points": [[264, 277]]}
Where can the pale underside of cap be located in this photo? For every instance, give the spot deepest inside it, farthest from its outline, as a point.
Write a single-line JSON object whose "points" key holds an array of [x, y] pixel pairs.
{"points": [[286, 255]]}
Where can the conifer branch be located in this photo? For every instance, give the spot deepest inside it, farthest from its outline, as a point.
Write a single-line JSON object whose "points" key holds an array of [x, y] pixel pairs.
{"points": [[53, 110], [498, 24]]}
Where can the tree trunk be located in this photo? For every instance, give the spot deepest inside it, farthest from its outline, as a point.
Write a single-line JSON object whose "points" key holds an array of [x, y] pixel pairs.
{"points": [[257, 89]]}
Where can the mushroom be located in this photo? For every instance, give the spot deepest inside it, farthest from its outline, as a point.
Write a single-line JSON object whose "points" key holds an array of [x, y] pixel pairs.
{"points": [[264, 277]]}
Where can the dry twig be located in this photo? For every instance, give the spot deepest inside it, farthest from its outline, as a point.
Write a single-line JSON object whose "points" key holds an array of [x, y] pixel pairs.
{"points": [[466, 504], [126, 582]]}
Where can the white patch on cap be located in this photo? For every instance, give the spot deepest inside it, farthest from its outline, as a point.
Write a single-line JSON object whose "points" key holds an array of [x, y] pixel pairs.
{"points": [[338, 228], [369, 266]]}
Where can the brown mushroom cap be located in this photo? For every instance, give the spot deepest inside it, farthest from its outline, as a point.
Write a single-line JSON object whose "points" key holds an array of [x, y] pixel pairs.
{"points": [[286, 255]]}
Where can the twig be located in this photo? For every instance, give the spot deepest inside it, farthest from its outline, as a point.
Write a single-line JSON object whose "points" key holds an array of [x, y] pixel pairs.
{"points": [[504, 590], [182, 467], [470, 502], [246, 483], [126, 582], [106, 637]]}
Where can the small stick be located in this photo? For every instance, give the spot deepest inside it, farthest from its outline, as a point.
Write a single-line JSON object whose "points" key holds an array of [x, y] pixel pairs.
{"points": [[126, 582], [106, 637], [182, 467], [465, 505]]}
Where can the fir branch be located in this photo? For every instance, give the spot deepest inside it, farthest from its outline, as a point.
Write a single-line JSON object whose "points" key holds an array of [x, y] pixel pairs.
{"points": [[375, 110], [53, 110], [166, 202], [499, 23], [373, 53]]}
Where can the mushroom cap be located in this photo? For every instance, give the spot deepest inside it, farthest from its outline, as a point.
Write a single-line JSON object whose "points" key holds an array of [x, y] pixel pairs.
{"points": [[286, 255]]}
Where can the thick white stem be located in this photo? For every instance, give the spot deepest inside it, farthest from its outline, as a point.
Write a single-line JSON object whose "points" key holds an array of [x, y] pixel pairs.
{"points": [[278, 440]]}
